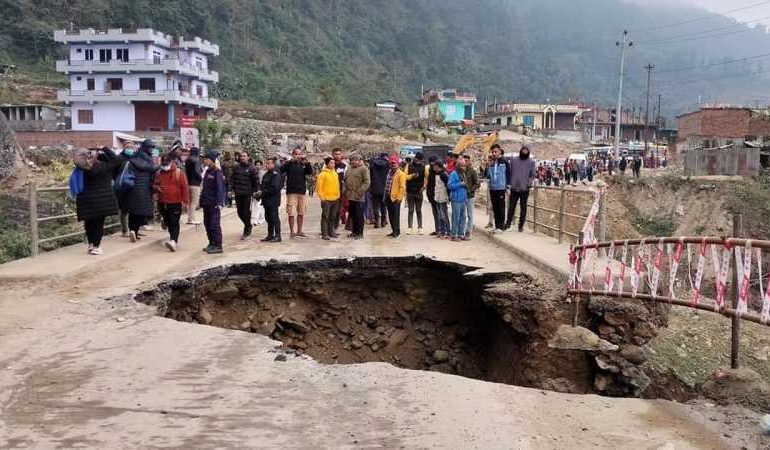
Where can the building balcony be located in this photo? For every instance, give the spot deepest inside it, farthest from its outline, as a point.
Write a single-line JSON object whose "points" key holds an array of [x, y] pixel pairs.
{"points": [[113, 35], [137, 65], [166, 96], [202, 45]]}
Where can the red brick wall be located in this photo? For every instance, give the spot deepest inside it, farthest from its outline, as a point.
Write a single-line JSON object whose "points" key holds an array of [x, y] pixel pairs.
{"points": [[759, 126], [729, 123], [151, 116], [81, 139]]}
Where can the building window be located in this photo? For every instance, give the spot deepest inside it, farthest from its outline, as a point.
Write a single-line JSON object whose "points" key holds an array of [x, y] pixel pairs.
{"points": [[147, 84], [122, 54], [114, 84], [105, 55], [199, 90], [89, 54], [90, 84], [78, 50], [86, 116], [79, 78]]}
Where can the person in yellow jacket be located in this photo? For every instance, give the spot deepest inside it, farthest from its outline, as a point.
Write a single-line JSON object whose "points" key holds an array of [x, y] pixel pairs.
{"points": [[328, 190], [395, 190]]}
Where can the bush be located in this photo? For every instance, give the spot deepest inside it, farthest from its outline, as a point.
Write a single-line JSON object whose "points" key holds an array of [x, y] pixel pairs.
{"points": [[13, 245]]}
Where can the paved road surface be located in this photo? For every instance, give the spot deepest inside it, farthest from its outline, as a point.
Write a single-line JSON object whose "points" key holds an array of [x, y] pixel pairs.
{"points": [[76, 370]]}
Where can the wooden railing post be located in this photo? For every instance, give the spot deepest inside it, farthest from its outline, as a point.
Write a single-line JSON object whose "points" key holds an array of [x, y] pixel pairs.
{"points": [[735, 340], [33, 230], [578, 281], [562, 207], [534, 211]]}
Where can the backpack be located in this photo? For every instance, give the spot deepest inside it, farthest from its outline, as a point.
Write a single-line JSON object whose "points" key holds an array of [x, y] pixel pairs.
{"points": [[76, 182], [126, 180]]}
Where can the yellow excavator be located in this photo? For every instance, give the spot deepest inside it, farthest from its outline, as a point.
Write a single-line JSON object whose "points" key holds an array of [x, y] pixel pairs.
{"points": [[470, 139]]}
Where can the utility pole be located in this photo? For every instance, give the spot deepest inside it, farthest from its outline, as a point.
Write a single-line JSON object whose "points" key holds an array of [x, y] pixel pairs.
{"points": [[618, 112], [659, 121], [649, 68], [593, 128]]}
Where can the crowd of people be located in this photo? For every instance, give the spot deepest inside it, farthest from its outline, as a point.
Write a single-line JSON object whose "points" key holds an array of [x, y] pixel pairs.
{"points": [[142, 184], [570, 172]]}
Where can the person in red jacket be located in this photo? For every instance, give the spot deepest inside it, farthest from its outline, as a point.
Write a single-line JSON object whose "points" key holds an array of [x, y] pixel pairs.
{"points": [[174, 196]]}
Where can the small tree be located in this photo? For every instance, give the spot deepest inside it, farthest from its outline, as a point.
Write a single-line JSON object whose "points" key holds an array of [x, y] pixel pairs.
{"points": [[212, 133], [253, 138]]}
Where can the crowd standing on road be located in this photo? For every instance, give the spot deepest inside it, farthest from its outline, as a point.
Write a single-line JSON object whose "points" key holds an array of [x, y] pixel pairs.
{"points": [[139, 183]]}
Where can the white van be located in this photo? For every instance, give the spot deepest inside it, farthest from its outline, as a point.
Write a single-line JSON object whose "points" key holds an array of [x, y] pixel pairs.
{"points": [[579, 157]]}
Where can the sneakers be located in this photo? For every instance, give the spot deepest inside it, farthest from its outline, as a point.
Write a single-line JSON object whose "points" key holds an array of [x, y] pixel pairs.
{"points": [[276, 239], [214, 250], [90, 247], [300, 235], [267, 239], [409, 231], [132, 236], [171, 245], [326, 238], [147, 228], [246, 237], [420, 231], [95, 251], [521, 229], [435, 233], [124, 234]]}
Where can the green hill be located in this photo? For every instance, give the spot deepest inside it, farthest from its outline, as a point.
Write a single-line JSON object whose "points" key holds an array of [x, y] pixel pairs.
{"points": [[307, 52]]}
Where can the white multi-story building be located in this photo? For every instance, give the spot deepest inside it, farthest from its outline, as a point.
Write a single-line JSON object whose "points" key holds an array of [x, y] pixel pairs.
{"points": [[135, 81]]}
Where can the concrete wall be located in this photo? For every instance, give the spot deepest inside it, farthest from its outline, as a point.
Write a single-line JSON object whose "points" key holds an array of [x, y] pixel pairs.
{"points": [[82, 139], [112, 116], [454, 110], [732, 161]]}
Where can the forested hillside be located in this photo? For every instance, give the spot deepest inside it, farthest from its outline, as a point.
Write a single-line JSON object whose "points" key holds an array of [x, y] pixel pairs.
{"points": [[305, 52]]}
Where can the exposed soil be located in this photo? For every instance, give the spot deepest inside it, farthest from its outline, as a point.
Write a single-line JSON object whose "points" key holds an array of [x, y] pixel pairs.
{"points": [[422, 314]]}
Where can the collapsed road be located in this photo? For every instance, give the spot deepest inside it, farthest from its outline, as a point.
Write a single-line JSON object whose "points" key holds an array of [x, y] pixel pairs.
{"points": [[120, 355]]}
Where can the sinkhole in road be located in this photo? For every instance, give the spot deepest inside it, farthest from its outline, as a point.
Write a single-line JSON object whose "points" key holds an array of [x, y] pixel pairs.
{"points": [[412, 312]]}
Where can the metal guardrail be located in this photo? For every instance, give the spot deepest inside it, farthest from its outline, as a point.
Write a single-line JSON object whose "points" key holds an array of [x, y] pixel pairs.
{"points": [[740, 282], [35, 220]]}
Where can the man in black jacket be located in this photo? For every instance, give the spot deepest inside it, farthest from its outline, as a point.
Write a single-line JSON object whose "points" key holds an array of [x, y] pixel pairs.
{"points": [[194, 170], [378, 174], [244, 183], [270, 193], [415, 185], [296, 172]]}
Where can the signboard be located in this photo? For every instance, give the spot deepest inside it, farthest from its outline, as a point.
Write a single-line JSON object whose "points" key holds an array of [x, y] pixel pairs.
{"points": [[190, 137], [187, 122]]}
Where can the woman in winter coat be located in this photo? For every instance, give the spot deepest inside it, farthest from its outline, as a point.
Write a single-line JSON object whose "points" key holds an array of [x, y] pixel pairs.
{"points": [[138, 200], [97, 199]]}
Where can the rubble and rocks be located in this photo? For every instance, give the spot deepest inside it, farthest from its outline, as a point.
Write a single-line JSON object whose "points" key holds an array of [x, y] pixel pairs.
{"points": [[739, 387], [424, 314], [630, 325]]}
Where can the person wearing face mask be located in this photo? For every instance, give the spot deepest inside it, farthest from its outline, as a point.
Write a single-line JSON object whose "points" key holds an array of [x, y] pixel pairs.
{"points": [[522, 173], [173, 195]]}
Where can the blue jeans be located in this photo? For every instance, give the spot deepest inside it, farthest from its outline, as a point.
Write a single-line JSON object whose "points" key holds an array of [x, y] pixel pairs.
{"points": [[458, 219], [469, 212], [443, 219]]}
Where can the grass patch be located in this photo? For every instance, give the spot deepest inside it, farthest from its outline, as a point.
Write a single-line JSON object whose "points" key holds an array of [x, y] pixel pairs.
{"points": [[752, 200], [654, 226]]}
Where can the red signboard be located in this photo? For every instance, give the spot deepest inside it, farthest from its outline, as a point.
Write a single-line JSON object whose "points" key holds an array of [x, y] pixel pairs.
{"points": [[187, 122]]}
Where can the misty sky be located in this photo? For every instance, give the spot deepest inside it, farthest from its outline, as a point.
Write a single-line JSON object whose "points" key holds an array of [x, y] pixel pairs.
{"points": [[759, 13]]}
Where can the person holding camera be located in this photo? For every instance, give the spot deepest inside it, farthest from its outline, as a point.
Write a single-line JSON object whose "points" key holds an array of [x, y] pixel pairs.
{"points": [[95, 199]]}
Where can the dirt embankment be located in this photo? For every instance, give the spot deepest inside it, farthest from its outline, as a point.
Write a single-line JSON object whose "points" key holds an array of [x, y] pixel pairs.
{"points": [[333, 116], [670, 205]]}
